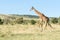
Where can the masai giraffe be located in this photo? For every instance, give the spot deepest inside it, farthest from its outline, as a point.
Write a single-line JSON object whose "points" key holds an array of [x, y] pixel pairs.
{"points": [[44, 19]]}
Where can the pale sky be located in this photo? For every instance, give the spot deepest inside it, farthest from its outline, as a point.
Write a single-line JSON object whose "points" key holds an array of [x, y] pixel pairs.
{"points": [[50, 8]]}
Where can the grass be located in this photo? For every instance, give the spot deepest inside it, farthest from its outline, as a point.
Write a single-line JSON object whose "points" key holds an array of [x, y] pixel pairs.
{"points": [[49, 36], [28, 32]]}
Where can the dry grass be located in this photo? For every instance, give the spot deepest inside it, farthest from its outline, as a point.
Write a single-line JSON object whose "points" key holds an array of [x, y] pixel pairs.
{"points": [[29, 32]]}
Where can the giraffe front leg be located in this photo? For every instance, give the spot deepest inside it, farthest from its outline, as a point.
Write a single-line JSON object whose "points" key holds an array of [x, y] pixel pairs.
{"points": [[45, 25], [41, 25]]}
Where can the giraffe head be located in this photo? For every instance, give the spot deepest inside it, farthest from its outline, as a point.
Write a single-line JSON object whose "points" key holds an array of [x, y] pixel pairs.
{"points": [[32, 8]]}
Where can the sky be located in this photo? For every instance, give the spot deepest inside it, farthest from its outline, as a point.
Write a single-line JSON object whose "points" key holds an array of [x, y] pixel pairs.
{"points": [[50, 8]]}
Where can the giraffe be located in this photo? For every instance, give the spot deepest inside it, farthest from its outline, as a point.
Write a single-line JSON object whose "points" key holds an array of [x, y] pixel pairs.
{"points": [[44, 19]]}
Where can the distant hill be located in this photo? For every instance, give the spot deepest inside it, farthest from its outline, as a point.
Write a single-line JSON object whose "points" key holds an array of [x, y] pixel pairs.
{"points": [[17, 15], [29, 16]]}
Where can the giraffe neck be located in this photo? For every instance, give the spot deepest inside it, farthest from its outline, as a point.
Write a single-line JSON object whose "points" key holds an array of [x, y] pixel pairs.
{"points": [[37, 12]]}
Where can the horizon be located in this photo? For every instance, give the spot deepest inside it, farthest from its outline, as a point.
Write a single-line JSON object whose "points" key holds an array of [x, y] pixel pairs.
{"points": [[50, 8]]}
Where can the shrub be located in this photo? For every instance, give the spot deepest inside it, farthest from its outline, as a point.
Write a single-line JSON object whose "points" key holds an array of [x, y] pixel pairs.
{"points": [[19, 20], [1, 22], [54, 20], [59, 20], [33, 21], [25, 21]]}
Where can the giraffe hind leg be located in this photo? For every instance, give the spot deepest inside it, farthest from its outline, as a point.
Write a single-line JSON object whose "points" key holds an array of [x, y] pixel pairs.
{"points": [[50, 25]]}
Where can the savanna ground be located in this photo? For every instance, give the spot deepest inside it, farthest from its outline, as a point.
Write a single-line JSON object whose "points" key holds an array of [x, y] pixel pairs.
{"points": [[29, 32]]}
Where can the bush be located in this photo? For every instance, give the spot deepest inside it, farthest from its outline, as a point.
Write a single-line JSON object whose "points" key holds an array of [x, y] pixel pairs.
{"points": [[33, 21], [19, 20], [54, 20], [59, 20], [26, 21], [1, 22]]}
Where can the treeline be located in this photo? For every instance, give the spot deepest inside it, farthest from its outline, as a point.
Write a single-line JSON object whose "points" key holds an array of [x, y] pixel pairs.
{"points": [[19, 19], [29, 16]]}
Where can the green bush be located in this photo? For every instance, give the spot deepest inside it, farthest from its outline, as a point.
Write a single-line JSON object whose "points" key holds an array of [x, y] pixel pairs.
{"points": [[1, 22], [54, 20], [33, 21]]}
